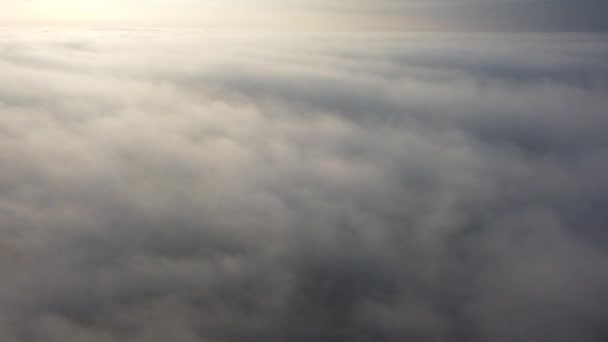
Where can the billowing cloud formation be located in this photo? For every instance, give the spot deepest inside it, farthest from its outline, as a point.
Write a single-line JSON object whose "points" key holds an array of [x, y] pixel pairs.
{"points": [[173, 185]]}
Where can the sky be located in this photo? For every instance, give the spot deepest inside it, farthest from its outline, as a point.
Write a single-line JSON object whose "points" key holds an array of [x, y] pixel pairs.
{"points": [[485, 15], [182, 185]]}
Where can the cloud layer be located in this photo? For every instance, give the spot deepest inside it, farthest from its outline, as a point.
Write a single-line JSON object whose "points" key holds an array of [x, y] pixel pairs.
{"points": [[176, 185]]}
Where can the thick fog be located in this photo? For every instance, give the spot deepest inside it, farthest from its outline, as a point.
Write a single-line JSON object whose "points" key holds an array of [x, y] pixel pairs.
{"points": [[189, 186]]}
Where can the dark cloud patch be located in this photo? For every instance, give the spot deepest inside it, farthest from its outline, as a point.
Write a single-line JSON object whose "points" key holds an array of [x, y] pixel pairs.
{"points": [[233, 187]]}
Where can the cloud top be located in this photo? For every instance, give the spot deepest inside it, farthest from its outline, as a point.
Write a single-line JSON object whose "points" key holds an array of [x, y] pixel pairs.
{"points": [[163, 185]]}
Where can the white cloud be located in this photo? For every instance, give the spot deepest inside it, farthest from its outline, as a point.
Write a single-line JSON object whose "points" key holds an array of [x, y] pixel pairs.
{"points": [[180, 185]]}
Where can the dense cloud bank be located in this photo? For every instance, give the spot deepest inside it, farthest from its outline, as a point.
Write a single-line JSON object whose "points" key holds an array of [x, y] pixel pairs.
{"points": [[174, 185]]}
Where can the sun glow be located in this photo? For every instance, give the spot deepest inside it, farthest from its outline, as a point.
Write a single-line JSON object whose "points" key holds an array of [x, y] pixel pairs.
{"points": [[66, 12], [240, 14]]}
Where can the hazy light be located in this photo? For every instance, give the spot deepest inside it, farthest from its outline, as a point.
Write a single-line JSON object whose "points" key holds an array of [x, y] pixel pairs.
{"points": [[264, 14]]}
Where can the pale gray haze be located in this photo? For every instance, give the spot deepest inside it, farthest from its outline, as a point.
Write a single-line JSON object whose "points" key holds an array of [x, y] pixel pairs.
{"points": [[493, 15]]}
